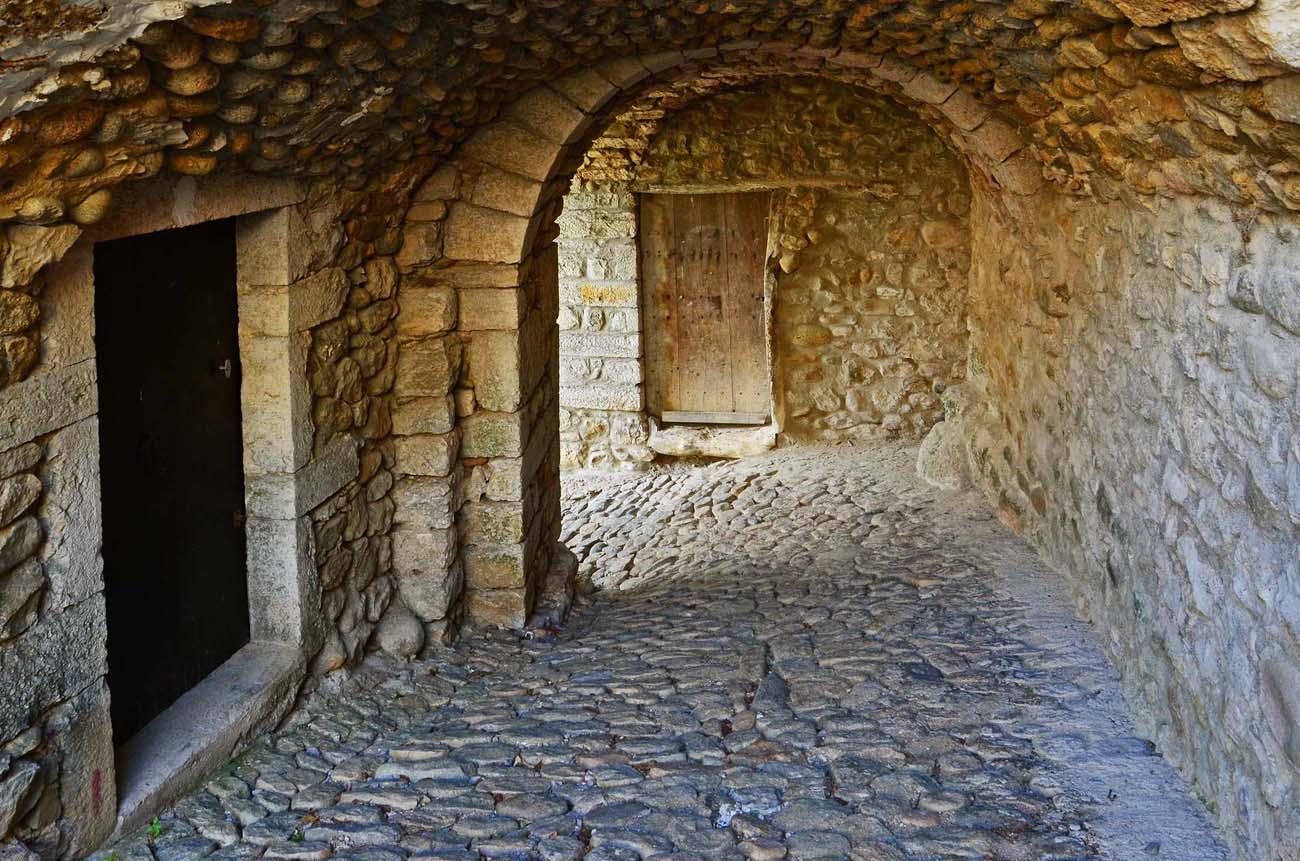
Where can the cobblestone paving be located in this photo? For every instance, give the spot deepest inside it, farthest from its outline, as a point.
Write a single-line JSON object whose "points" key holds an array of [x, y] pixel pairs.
{"points": [[806, 655]]}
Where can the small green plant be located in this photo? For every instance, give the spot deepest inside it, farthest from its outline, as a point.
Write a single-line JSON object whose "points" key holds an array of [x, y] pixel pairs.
{"points": [[297, 836], [154, 829], [111, 856]]}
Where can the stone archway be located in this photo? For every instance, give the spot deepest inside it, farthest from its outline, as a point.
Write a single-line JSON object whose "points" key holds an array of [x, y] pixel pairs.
{"points": [[489, 238], [492, 211]]}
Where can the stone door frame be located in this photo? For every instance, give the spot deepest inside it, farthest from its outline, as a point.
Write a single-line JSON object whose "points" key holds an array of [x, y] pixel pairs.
{"points": [[279, 300]]}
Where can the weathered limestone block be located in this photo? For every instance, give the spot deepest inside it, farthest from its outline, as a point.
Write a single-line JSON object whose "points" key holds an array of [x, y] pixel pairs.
{"points": [[82, 731], [603, 396], [49, 663], [483, 309], [426, 415], [491, 434], [996, 139], [614, 345], [686, 441], [422, 243], [426, 310], [963, 109], [514, 148], [428, 574], [494, 364], [427, 454], [275, 400], [47, 402], [507, 192], [491, 568], [549, 114], [893, 69], [1020, 174], [620, 294], [425, 503], [71, 508], [586, 89], [624, 71], [927, 88], [400, 633], [942, 458], [503, 608], [285, 309], [428, 367], [474, 233], [287, 244], [576, 371], [493, 523], [27, 249]]}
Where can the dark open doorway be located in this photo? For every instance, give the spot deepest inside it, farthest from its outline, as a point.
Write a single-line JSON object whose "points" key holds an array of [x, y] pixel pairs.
{"points": [[171, 460]]}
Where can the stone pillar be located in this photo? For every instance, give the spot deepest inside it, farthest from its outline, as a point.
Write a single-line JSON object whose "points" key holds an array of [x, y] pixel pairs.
{"points": [[499, 253], [426, 546], [602, 417], [478, 504], [510, 520]]}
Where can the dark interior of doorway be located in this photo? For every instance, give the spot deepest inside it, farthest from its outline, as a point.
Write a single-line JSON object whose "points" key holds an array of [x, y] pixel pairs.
{"points": [[171, 464]]}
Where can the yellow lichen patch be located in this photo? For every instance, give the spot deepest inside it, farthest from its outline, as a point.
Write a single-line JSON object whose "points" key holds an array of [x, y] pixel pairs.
{"points": [[603, 294]]}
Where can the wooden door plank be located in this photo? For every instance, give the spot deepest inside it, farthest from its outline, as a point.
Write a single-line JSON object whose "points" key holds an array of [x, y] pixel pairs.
{"points": [[703, 380], [746, 225], [658, 246]]}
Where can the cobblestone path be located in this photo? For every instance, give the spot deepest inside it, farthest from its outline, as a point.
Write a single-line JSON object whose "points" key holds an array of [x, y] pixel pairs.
{"points": [[806, 655]]}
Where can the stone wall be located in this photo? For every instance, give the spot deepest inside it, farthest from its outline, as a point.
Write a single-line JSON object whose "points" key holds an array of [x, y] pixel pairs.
{"points": [[602, 422], [871, 307], [317, 300], [426, 545], [1134, 409], [870, 246]]}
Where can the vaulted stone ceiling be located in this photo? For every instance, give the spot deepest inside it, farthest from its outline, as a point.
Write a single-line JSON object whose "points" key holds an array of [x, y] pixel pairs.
{"points": [[1165, 95]]}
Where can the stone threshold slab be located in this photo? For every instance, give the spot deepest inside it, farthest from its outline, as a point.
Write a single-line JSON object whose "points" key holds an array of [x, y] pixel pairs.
{"points": [[705, 441], [204, 729]]}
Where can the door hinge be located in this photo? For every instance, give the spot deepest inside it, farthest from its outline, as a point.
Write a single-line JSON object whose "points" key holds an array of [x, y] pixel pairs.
{"points": [[238, 518]]}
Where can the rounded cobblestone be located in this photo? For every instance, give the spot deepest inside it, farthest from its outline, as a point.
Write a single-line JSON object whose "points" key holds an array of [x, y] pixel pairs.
{"points": [[804, 655]]}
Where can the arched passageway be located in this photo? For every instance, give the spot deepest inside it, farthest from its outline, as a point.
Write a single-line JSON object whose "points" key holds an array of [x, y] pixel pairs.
{"points": [[395, 171], [838, 316]]}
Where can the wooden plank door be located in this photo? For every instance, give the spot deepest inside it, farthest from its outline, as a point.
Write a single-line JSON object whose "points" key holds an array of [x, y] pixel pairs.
{"points": [[703, 260], [171, 458]]}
